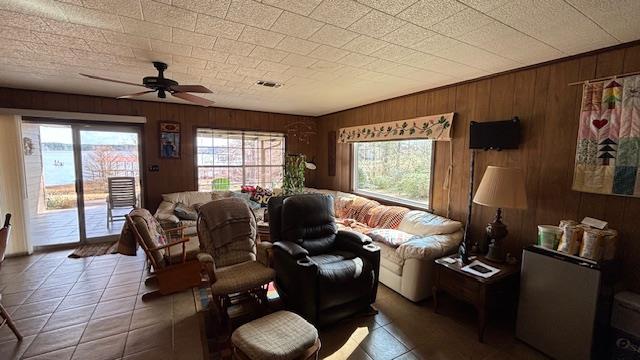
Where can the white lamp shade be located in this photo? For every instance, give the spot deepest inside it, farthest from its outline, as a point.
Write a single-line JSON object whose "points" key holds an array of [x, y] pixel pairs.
{"points": [[502, 187]]}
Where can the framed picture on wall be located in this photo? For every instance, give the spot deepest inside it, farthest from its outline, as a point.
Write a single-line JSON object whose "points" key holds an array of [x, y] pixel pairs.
{"points": [[169, 140]]}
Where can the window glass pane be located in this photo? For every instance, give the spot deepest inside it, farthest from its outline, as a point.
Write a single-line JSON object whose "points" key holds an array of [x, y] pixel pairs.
{"points": [[395, 169], [232, 158]]}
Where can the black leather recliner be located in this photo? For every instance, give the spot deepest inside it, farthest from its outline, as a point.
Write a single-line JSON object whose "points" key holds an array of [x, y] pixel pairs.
{"points": [[321, 273]]}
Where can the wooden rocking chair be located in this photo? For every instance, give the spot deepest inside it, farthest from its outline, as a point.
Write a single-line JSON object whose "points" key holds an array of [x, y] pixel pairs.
{"points": [[173, 272], [5, 318]]}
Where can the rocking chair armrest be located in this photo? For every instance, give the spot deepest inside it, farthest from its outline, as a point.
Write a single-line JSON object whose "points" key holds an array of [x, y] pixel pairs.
{"points": [[175, 229], [183, 240]]}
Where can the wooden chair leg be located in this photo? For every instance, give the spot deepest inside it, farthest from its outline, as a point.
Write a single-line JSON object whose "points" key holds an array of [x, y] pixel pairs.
{"points": [[7, 318]]}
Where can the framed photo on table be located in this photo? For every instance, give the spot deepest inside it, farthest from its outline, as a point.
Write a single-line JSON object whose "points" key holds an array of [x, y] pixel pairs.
{"points": [[169, 140]]}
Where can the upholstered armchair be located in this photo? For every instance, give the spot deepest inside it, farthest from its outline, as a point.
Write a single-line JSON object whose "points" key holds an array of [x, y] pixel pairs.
{"points": [[321, 273], [235, 262]]}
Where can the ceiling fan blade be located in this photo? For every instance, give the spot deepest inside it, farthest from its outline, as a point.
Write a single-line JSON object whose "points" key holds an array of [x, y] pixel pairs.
{"points": [[194, 99], [136, 94], [191, 88], [111, 80]]}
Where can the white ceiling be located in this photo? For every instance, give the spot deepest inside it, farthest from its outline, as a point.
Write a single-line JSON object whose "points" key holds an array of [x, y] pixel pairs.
{"points": [[330, 54]]}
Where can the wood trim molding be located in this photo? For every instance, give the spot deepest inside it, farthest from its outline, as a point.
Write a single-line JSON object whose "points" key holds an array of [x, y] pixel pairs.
{"points": [[75, 116]]}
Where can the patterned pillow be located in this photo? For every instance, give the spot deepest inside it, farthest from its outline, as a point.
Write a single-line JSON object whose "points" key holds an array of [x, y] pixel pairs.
{"points": [[342, 204], [262, 196], [359, 209], [386, 217], [390, 237], [184, 212]]}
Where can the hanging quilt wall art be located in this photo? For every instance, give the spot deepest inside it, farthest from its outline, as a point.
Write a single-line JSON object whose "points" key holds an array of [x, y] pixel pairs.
{"points": [[608, 148]]}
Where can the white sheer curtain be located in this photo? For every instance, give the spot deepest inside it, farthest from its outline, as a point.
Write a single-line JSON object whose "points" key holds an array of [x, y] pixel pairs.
{"points": [[12, 183]]}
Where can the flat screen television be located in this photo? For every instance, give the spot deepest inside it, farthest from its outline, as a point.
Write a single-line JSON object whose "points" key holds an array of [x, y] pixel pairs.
{"points": [[495, 135]]}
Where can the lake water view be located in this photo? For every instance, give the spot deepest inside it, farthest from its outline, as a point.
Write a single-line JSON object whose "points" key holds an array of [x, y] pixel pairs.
{"points": [[59, 166]]}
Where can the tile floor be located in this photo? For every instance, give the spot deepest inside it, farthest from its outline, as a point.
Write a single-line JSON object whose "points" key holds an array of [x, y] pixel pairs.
{"points": [[91, 309]]}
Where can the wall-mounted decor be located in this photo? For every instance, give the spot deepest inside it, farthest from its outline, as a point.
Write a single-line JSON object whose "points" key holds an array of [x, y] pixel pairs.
{"points": [[27, 146], [301, 131], [331, 153], [434, 127], [608, 148], [169, 140]]}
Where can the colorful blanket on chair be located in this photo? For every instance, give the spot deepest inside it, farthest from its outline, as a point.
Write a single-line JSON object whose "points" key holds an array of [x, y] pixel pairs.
{"points": [[608, 147]]}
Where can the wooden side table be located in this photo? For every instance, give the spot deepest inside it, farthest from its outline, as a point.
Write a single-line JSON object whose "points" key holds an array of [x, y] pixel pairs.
{"points": [[263, 231], [480, 292]]}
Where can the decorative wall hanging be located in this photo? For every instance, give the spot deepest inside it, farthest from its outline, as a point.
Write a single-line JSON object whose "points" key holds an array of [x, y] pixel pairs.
{"points": [[169, 140], [27, 146], [302, 131], [608, 148], [434, 127]]}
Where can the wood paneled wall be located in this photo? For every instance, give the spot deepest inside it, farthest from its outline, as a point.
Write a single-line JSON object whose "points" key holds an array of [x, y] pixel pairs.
{"points": [[549, 110], [174, 175]]}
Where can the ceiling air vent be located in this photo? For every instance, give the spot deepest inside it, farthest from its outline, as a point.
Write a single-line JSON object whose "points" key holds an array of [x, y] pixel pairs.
{"points": [[270, 84]]}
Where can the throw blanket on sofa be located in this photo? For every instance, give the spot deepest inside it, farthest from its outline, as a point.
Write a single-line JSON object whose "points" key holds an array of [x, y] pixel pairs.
{"points": [[386, 217], [228, 220]]}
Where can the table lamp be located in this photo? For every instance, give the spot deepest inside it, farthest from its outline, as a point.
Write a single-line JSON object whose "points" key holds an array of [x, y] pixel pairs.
{"points": [[501, 187]]}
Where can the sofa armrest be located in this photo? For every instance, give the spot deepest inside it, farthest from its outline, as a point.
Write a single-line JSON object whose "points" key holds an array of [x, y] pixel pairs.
{"points": [[165, 212], [431, 246], [292, 249]]}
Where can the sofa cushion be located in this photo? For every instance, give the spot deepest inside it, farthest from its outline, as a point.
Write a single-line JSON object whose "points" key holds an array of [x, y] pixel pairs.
{"points": [[359, 209], [387, 217], [188, 197], [423, 223], [391, 237]]}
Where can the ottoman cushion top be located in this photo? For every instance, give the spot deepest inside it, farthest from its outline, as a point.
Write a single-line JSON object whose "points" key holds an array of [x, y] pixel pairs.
{"points": [[282, 335]]}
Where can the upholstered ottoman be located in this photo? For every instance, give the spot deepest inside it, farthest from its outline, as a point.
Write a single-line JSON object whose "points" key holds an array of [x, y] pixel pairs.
{"points": [[282, 335]]}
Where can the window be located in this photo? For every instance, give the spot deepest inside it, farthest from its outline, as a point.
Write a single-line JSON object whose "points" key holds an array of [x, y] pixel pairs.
{"points": [[398, 170], [230, 159]]}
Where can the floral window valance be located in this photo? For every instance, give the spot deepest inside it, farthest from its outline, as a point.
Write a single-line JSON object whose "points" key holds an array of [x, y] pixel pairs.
{"points": [[434, 127]]}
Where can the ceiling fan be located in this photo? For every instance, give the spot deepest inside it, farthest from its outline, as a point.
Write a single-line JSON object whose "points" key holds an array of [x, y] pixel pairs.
{"points": [[163, 85]]}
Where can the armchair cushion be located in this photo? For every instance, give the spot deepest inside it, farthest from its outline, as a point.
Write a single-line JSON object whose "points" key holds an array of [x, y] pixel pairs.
{"points": [[390, 237], [241, 277], [151, 232], [343, 281], [423, 223]]}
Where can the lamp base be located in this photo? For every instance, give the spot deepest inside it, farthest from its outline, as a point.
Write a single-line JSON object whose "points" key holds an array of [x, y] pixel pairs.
{"points": [[496, 253]]}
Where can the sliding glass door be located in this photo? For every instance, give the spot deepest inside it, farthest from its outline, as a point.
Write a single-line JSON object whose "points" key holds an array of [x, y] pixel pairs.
{"points": [[81, 179]]}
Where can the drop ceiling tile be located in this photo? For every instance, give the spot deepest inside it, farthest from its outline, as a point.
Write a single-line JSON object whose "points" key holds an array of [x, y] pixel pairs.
{"points": [[252, 13], [298, 46], [14, 33], [106, 48], [64, 41], [208, 73], [216, 8], [233, 47], [74, 30], [618, 18], [129, 8], [40, 8], [243, 61], [461, 23], [333, 35], [208, 54], [149, 56], [90, 17], [51, 50], [260, 37], [168, 15], [485, 5], [408, 35], [220, 67], [126, 39], [364, 45], [296, 25], [545, 19], [329, 53], [232, 77], [194, 39], [251, 72], [22, 21], [298, 60], [325, 66], [214, 26], [435, 43], [376, 24], [379, 65], [272, 66], [302, 7], [189, 62], [146, 29], [94, 56], [355, 59], [393, 52], [277, 76], [341, 13], [473, 56], [10, 44], [428, 12], [392, 7], [261, 52]]}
